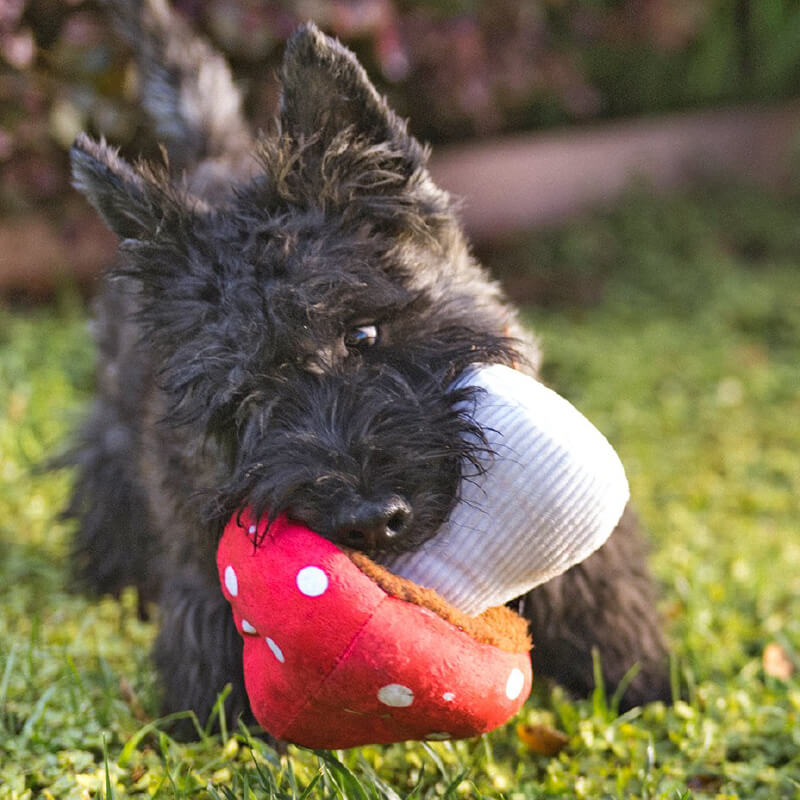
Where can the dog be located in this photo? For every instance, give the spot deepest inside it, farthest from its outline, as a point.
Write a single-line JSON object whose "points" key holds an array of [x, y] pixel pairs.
{"points": [[281, 330]]}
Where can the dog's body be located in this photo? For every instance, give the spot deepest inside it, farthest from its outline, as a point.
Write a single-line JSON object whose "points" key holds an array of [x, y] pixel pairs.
{"points": [[281, 331]]}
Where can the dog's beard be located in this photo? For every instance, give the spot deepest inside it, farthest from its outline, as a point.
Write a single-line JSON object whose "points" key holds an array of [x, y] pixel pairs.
{"points": [[317, 446]]}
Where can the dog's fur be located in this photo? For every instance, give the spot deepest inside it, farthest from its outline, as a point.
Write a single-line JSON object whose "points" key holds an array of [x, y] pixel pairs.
{"points": [[237, 365]]}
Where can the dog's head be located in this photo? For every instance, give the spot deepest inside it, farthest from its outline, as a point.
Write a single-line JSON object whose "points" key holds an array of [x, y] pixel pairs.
{"points": [[309, 320]]}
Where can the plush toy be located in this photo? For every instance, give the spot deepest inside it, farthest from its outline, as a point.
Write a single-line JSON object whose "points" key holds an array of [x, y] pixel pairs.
{"points": [[341, 651]]}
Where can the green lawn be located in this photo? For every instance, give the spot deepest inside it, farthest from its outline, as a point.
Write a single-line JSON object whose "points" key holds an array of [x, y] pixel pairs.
{"points": [[685, 350]]}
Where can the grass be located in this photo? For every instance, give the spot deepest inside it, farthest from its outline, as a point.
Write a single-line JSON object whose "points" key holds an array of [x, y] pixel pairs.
{"points": [[684, 350]]}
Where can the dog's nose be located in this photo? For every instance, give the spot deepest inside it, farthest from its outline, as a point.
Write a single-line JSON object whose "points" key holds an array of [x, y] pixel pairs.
{"points": [[374, 525]]}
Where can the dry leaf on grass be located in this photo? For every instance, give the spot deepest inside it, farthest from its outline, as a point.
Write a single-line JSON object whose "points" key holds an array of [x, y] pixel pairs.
{"points": [[777, 663], [705, 782], [542, 739]]}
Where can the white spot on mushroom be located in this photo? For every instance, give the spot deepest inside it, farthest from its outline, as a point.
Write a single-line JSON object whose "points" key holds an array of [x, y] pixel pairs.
{"points": [[514, 684], [395, 695], [312, 581], [276, 651], [448, 696], [231, 582], [247, 627]]}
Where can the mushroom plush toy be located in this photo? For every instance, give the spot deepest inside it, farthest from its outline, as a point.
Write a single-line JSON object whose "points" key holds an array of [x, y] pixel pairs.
{"points": [[341, 651]]}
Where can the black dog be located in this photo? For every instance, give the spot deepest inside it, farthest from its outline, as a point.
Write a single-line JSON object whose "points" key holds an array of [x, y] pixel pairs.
{"points": [[281, 330]]}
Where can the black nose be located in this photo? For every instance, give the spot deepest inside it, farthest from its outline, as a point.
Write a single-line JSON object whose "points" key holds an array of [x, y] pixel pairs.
{"points": [[373, 525]]}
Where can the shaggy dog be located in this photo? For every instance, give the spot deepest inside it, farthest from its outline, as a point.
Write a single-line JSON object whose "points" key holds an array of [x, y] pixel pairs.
{"points": [[281, 330]]}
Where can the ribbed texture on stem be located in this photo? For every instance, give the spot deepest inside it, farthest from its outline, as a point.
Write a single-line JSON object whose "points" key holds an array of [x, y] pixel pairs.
{"points": [[551, 495]]}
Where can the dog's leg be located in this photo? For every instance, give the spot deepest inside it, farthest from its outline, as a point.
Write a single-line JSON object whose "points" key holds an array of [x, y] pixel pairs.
{"points": [[114, 545], [198, 650], [608, 602]]}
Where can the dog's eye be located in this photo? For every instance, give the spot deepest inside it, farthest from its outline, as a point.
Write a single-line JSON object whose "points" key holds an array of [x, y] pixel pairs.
{"points": [[361, 336]]}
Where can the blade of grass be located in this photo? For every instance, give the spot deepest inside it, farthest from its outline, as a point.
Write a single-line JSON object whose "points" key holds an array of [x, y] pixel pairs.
{"points": [[437, 760], [417, 786], [599, 698], [109, 789], [152, 727], [386, 791], [218, 711], [36, 714], [163, 744], [622, 687], [314, 781], [674, 677], [452, 787], [350, 788], [4, 683]]}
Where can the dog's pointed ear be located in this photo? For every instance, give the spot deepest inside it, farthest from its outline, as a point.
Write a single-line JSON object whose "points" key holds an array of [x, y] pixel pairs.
{"points": [[326, 91], [118, 192]]}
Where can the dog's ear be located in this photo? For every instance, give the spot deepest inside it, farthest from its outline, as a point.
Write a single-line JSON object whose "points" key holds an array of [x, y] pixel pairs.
{"points": [[121, 194], [326, 91]]}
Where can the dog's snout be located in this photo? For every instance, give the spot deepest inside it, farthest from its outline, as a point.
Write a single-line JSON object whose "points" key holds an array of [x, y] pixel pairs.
{"points": [[374, 525]]}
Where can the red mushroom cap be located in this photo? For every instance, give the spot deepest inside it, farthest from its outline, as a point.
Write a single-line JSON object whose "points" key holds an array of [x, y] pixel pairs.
{"points": [[331, 660]]}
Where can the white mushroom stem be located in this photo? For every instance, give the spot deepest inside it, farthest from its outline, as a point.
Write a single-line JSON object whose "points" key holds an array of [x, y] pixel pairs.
{"points": [[550, 496]]}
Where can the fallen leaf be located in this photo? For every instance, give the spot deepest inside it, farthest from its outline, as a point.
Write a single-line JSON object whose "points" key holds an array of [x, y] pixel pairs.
{"points": [[704, 782], [776, 663], [542, 739]]}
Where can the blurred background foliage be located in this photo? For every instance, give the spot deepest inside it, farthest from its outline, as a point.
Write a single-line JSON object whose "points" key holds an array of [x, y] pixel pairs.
{"points": [[457, 68]]}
